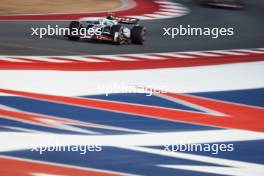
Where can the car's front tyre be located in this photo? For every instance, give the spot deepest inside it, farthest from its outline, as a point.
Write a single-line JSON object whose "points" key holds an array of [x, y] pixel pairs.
{"points": [[116, 34]]}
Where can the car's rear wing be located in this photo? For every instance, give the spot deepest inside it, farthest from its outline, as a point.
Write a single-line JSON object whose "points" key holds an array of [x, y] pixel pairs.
{"points": [[124, 20]]}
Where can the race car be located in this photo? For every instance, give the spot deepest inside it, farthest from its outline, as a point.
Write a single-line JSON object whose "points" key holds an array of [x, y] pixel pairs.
{"points": [[118, 30], [223, 3]]}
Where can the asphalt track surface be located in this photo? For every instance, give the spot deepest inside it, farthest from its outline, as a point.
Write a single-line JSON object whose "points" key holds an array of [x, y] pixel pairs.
{"points": [[15, 38]]}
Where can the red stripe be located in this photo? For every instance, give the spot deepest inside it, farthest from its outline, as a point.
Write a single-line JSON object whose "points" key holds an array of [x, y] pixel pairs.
{"points": [[14, 167]]}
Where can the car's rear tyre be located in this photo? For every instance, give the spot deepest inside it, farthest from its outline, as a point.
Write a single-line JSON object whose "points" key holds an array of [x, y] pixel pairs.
{"points": [[138, 35], [73, 26], [116, 34]]}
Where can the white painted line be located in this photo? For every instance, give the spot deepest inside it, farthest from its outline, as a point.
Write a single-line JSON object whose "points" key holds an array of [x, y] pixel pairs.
{"points": [[25, 140], [9, 59], [145, 56], [182, 80], [192, 105], [250, 51], [172, 7], [228, 52], [84, 59], [4, 94], [167, 13], [202, 54], [45, 59], [156, 16], [166, 2], [118, 58], [259, 51], [176, 55]]}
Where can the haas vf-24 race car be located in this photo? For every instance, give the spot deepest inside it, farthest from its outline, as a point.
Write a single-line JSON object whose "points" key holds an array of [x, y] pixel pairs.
{"points": [[118, 30]]}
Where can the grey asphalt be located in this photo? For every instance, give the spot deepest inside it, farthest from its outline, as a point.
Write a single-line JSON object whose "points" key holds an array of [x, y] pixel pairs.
{"points": [[15, 38]]}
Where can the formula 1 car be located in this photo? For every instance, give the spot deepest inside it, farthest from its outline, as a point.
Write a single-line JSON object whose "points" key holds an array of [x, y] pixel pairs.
{"points": [[223, 3], [118, 30]]}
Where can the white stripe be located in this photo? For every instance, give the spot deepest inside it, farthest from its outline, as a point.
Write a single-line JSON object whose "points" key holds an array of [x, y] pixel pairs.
{"points": [[4, 94], [260, 50], [25, 140], [50, 59], [182, 80], [84, 59], [192, 105], [250, 51], [156, 16], [167, 13], [145, 56], [47, 59], [176, 55], [172, 7], [165, 2], [118, 58], [22, 129], [227, 52], [202, 54], [9, 59]]}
